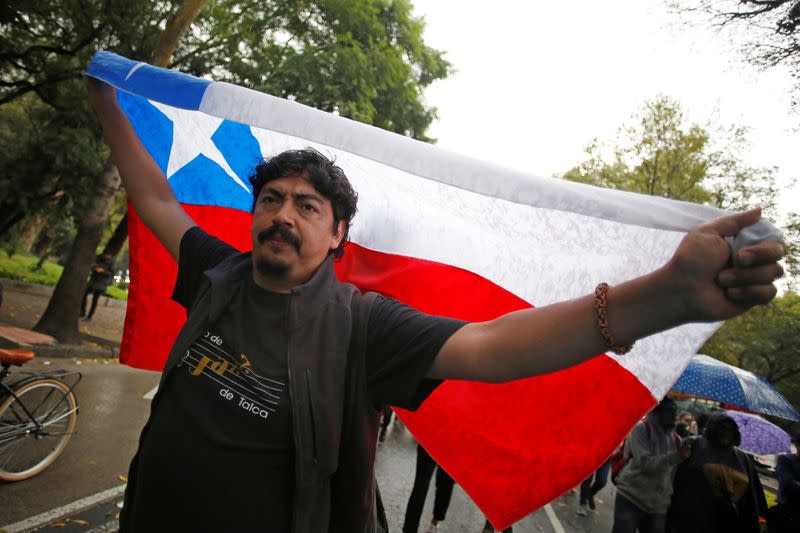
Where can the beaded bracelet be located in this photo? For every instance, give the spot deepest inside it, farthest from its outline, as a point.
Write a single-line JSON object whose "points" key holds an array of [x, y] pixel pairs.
{"points": [[602, 321]]}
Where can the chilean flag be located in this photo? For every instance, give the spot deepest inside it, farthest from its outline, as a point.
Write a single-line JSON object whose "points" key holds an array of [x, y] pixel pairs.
{"points": [[446, 234]]}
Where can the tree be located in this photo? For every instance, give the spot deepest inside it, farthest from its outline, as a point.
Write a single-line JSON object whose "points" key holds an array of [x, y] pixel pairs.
{"points": [[663, 155], [765, 340], [769, 30]]}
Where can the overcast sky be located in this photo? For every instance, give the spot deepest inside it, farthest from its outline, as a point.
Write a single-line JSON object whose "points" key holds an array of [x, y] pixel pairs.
{"points": [[537, 81]]}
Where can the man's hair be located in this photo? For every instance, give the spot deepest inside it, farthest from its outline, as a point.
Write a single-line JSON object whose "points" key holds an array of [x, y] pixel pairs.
{"points": [[328, 179], [796, 438]]}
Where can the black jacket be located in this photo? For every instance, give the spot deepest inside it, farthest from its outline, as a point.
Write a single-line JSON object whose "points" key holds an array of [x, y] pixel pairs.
{"points": [[335, 425]]}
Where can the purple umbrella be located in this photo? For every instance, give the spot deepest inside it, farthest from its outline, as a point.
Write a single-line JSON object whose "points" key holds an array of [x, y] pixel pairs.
{"points": [[760, 436]]}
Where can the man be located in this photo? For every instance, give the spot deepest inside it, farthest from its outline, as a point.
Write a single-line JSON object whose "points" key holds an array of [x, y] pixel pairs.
{"points": [[273, 335], [102, 276], [718, 489], [644, 485]]}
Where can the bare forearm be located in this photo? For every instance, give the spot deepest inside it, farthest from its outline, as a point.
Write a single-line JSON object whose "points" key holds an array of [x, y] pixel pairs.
{"points": [[547, 339], [146, 185], [140, 175]]}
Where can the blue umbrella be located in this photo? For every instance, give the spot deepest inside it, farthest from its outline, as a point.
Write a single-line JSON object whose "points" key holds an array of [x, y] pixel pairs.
{"points": [[706, 377]]}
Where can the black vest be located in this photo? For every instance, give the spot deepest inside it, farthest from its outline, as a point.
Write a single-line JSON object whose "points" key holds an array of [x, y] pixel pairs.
{"points": [[335, 425]]}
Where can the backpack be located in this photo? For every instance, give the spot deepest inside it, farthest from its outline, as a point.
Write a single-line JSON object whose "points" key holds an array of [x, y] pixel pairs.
{"points": [[618, 458]]}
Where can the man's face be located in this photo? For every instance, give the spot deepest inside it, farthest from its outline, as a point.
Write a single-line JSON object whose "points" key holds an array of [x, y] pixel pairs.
{"points": [[293, 230]]}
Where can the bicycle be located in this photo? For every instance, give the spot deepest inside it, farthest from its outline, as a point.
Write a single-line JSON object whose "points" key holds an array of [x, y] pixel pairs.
{"points": [[38, 412]]}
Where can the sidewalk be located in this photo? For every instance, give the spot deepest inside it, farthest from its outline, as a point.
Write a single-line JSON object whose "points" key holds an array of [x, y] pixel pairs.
{"points": [[24, 303]]}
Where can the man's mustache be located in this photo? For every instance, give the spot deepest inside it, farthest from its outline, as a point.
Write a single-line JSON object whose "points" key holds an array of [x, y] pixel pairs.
{"points": [[282, 232]]}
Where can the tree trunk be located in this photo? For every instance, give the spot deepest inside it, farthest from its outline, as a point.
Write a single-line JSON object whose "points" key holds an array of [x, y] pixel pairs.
{"points": [[117, 240], [33, 227], [167, 42], [60, 319], [176, 26]]}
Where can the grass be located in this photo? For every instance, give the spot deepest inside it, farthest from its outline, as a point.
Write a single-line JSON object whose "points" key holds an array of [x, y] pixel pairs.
{"points": [[22, 267]]}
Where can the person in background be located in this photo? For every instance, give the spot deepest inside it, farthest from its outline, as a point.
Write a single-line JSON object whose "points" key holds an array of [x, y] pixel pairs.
{"points": [[644, 484], [687, 420], [591, 486], [422, 478], [785, 517], [718, 489], [385, 421], [682, 430], [102, 276]]}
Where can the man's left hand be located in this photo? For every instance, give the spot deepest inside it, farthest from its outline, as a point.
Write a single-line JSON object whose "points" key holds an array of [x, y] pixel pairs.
{"points": [[717, 285]]}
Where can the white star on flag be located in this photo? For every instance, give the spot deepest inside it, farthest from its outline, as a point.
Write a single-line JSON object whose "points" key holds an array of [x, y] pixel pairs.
{"points": [[191, 136]]}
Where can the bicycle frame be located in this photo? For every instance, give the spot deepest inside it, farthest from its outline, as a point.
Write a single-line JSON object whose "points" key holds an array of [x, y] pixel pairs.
{"points": [[61, 375]]}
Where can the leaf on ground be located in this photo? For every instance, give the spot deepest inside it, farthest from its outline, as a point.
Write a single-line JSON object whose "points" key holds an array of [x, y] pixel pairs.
{"points": [[562, 504], [78, 521], [123, 478], [58, 524]]}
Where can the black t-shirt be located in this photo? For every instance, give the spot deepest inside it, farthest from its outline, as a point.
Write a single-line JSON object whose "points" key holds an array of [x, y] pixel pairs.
{"points": [[218, 453]]}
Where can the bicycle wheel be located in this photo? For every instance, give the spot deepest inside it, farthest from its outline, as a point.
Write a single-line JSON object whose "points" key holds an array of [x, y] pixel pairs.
{"points": [[29, 444]]}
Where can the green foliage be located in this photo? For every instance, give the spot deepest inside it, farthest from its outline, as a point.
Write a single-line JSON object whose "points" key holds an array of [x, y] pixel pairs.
{"points": [[48, 159], [23, 267], [662, 155], [362, 59], [765, 340], [118, 293]]}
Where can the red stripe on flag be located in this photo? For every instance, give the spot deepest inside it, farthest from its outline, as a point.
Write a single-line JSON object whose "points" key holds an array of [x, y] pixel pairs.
{"points": [[153, 320], [428, 286], [516, 446]]}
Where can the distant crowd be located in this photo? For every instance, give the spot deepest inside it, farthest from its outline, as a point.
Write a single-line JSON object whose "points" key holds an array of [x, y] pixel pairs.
{"points": [[673, 474]]}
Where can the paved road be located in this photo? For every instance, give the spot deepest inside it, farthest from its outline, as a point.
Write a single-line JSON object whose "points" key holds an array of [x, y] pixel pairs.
{"points": [[113, 411]]}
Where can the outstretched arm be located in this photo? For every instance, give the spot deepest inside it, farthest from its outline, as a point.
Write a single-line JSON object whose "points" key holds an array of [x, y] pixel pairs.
{"points": [[700, 283], [146, 185]]}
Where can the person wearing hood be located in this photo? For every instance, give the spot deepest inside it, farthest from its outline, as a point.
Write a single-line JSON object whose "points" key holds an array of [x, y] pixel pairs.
{"points": [[644, 484], [718, 489]]}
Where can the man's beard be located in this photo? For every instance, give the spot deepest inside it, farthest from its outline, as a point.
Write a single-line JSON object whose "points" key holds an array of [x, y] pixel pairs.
{"points": [[275, 268], [272, 268]]}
